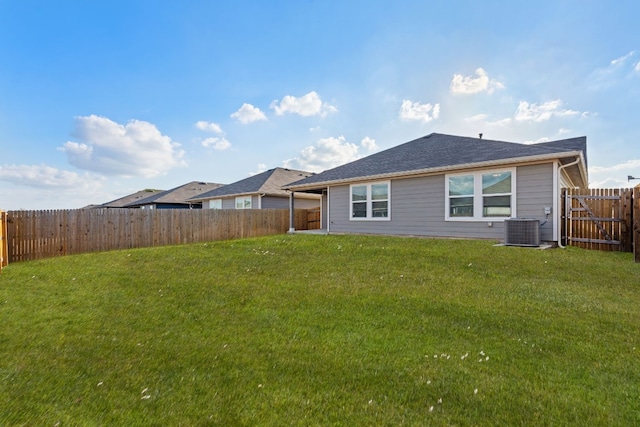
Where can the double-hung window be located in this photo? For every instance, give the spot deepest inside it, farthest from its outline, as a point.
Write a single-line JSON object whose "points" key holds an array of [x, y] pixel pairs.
{"points": [[243, 202], [480, 195], [370, 201], [215, 204]]}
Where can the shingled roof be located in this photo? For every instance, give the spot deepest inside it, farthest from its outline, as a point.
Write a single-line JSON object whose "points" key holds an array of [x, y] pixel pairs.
{"points": [[177, 195], [131, 198], [438, 152], [269, 182]]}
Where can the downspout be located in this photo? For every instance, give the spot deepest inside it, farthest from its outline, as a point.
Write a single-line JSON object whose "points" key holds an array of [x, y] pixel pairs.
{"points": [[260, 196], [575, 162]]}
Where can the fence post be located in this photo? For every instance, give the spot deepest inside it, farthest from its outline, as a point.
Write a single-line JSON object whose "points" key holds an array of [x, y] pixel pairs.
{"points": [[4, 242], [636, 223]]}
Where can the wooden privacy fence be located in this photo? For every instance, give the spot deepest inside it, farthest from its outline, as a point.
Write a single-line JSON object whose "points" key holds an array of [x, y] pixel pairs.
{"points": [[42, 234], [636, 223], [313, 219], [4, 253], [599, 218]]}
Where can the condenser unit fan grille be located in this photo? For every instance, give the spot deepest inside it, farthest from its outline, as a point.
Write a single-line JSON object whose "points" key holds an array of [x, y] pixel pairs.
{"points": [[522, 232]]}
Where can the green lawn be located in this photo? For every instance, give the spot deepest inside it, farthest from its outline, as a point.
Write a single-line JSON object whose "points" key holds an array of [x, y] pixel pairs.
{"points": [[322, 330]]}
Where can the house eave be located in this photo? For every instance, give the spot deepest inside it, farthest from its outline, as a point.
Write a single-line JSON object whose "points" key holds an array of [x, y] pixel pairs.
{"points": [[444, 169]]}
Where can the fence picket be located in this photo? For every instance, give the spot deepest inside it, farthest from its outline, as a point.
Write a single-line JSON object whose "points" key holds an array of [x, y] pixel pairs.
{"points": [[599, 219], [30, 235]]}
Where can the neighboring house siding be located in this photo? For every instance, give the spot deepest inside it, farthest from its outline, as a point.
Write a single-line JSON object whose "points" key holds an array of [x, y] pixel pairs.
{"points": [[271, 202], [418, 208], [229, 203], [306, 203]]}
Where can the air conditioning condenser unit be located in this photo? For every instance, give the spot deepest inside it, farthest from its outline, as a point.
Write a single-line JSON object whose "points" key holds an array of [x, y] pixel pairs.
{"points": [[522, 232]]}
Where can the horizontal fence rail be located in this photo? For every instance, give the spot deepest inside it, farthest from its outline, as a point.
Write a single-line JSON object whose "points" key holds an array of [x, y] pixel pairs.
{"points": [[599, 218], [42, 234]]}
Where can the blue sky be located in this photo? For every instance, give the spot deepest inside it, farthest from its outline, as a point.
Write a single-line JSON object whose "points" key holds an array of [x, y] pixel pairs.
{"points": [[104, 98]]}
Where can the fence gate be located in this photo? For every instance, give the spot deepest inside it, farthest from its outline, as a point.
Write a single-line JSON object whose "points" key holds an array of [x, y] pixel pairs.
{"points": [[313, 219], [599, 218], [4, 248]]}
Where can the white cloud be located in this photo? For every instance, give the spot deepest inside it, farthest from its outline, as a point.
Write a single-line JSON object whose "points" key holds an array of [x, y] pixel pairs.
{"points": [[538, 141], [326, 154], [542, 112], [461, 85], [616, 70], [261, 168], [219, 144], [629, 165], [618, 62], [420, 112], [248, 114], [307, 105], [135, 149], [502, 122], [209, 126], [614, 175], [369, 144], [477, 118], [43, 176]]}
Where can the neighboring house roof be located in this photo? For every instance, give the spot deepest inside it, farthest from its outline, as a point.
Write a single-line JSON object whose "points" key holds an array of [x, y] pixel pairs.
{"points": [[131, 198], [178, 195], [268, 183], [441, 153]]}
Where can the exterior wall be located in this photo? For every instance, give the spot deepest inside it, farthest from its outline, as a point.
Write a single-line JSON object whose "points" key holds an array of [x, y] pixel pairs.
{"points": [[418, 208], [270, 202], [535, 192]]}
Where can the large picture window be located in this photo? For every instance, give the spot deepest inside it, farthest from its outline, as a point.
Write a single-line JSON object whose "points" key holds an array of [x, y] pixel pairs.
{"points": [[370, 201], [480, 195]]}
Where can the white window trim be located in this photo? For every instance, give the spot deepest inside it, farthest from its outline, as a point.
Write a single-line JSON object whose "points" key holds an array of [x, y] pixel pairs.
{"points": [[369, 202], [243, 198], [217, 201], [477, 196]]}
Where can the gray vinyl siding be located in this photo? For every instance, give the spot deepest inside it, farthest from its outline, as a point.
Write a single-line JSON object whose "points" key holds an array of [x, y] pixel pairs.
{"points": [[535, 191], [270, 202], [418, 208], [229, 203]]}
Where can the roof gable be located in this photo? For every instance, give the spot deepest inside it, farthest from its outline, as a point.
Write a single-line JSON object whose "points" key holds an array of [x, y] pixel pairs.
{"points": [[268, 182], [438, 151], [131, 198], [180, 194]]}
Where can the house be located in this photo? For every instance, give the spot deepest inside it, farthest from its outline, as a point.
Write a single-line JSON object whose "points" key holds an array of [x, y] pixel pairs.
{"points": [[261, 191], [176, 198], [449, 186], [126, 200]]}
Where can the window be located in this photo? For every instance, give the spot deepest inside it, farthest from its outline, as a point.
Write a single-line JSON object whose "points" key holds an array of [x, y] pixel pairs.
{"points": [[243, 202], [480, 195], [370, 201], [215, 204]]}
